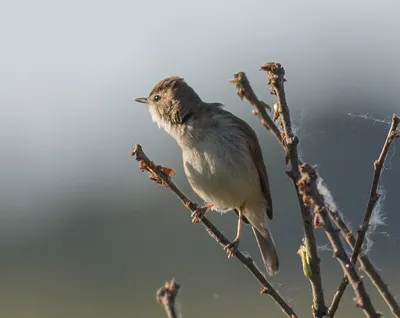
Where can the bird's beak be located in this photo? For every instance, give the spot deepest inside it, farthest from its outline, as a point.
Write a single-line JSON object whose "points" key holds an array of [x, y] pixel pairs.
{"points": [[142, 100]]}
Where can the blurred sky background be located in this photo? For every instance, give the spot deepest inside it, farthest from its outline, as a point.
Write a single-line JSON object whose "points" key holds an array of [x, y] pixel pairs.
{"points": [[84, 234]]}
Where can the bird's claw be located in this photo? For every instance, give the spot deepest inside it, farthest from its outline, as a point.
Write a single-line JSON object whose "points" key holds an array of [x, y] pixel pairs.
{"points": [[198, 214], [232, 248]]}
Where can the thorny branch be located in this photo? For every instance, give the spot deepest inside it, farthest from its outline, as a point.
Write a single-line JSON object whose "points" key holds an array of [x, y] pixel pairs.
{"points": [[245, 91], [289, 141], [311, 197], [162, 175], [166, 296], [366, 265], [374, 195]]}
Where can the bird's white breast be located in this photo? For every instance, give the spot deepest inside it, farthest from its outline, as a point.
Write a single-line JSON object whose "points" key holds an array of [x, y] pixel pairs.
{"points": [[220, 171], [216, 160]]}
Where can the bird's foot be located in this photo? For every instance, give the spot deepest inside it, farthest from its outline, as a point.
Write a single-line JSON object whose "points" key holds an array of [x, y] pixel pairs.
{"points": [[232, 248], [198, 214]]}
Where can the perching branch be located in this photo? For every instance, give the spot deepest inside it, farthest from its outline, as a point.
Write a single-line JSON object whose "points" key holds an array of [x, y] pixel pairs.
{"points": [[311, 196], [366, 265], [162, 175], [166, 296], [289, 141]]}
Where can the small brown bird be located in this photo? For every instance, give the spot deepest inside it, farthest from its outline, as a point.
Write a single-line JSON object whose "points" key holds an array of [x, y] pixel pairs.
{"points": [[222, 160]]}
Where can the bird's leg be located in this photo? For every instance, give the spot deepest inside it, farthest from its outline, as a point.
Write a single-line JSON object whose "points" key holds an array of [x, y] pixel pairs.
{"points": [[232, 247], [198, 214]]}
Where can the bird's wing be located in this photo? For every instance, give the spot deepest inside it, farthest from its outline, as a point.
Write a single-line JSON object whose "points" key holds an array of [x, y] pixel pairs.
{"points": [[256, 154]]}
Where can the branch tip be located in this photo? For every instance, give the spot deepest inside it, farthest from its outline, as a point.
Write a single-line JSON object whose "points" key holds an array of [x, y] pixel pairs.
{"points": [[166, 296]]}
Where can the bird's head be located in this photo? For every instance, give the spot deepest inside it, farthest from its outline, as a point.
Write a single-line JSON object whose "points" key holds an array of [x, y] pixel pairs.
{"points": [[171, 102]]}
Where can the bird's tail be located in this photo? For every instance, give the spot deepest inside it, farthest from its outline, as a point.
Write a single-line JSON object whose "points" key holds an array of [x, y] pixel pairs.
{"points": [[267, 249]]}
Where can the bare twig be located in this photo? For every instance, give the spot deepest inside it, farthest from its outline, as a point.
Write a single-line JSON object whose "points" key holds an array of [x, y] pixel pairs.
{"points": [[366, 265], [162, 175], [244, 90], [311, 196], [374, 195], [166, 296], [289, 141]]}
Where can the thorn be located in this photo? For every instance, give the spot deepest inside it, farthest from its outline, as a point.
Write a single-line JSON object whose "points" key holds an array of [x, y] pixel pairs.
{"points": [[143, 166], [136, 149], [358, 302], [290, 174], [265, 124], [265, 105], [156, 180], [286, 157], [317, 222], [264, 291], [174, 286]]}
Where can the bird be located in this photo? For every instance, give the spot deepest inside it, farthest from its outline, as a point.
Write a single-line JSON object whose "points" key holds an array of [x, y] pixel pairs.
{"points": [[222, 160]]}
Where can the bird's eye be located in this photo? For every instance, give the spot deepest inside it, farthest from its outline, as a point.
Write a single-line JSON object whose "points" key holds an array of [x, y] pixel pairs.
{"points": [[157, 98]]}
